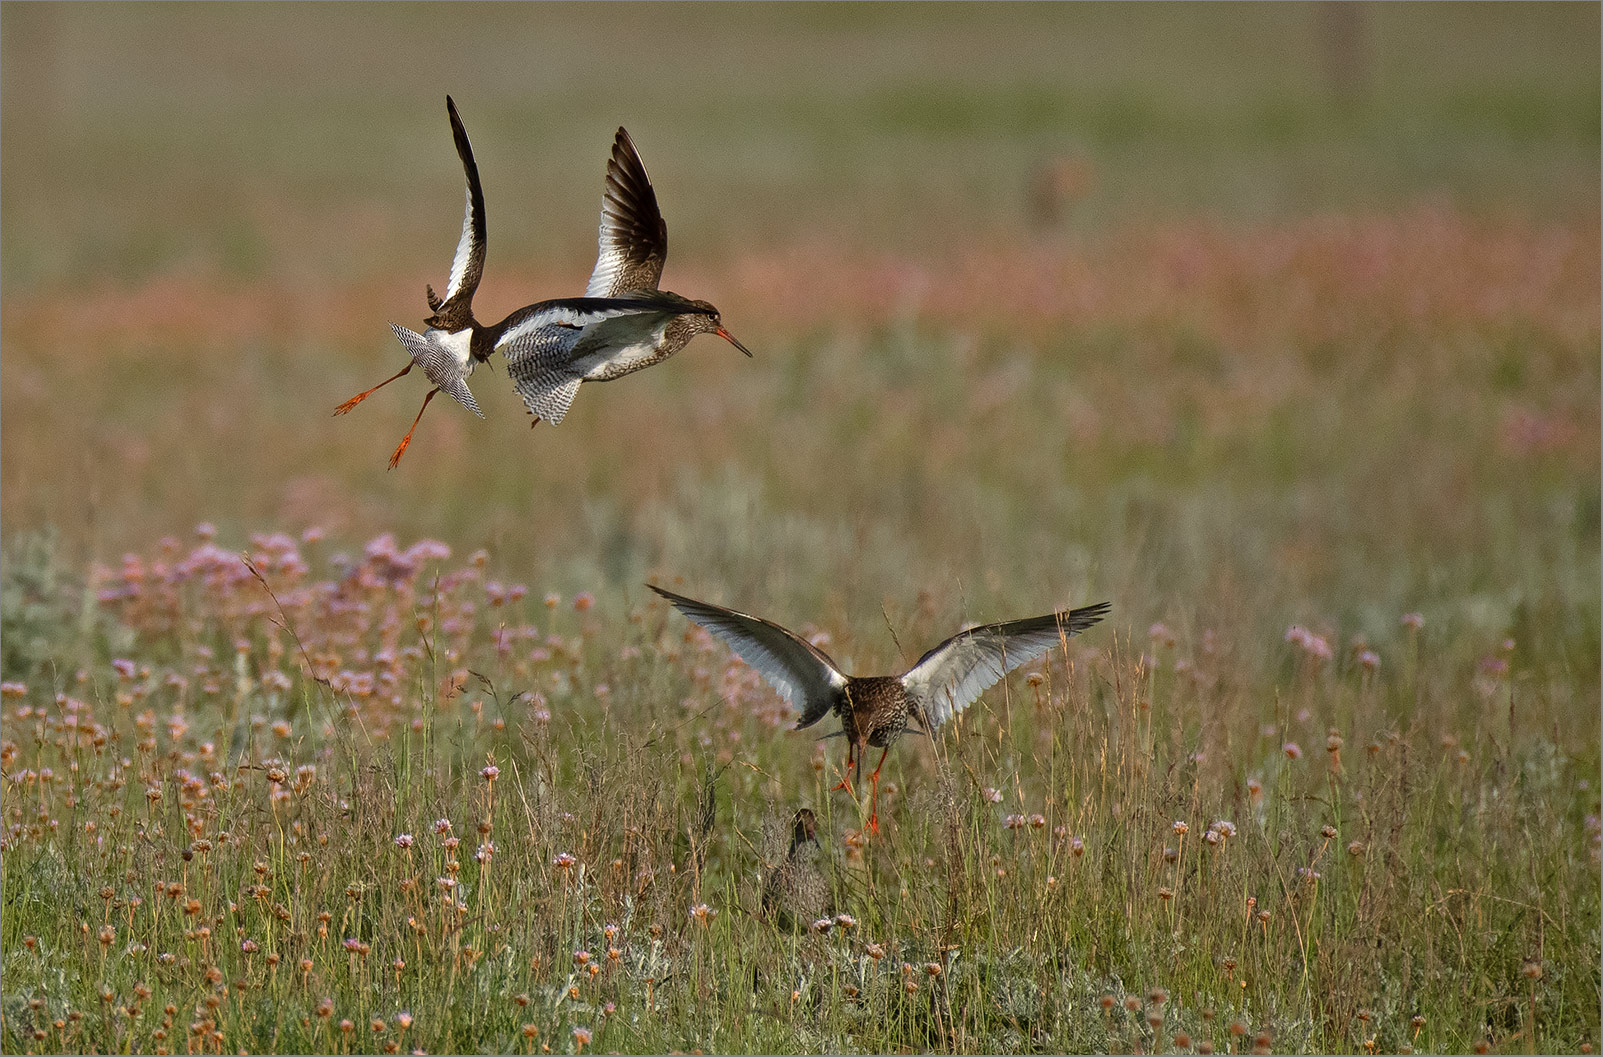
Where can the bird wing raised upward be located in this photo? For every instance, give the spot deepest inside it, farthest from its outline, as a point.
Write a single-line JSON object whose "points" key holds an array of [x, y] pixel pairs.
{"points": [[948, 678], [468, 265], [442, 367], [801, 672], [634, 239]]}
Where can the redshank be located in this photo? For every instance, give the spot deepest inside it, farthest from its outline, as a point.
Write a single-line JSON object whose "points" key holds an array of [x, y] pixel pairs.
{"points": [[796, 892], [549, 363], [875, 710]]}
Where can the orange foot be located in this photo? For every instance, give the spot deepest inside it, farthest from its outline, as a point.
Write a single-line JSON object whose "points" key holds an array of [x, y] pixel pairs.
{"points": [[400, 450], [536, 422], [359, 397]]}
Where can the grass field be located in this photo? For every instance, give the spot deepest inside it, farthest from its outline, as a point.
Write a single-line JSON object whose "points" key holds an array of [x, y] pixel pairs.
{"points": [[1279, 333]]}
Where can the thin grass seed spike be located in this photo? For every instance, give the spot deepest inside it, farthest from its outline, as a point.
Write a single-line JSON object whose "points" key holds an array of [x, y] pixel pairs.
{"points": [[622, 324], [875, 710]]}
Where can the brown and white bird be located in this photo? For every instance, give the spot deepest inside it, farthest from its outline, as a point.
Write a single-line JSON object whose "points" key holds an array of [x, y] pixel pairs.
{"points": [[795, 891], [876, 710], [548, 364], [554, 345]]}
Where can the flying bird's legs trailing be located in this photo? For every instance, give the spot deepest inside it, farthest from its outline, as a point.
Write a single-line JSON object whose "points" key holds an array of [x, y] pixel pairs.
{"points": [[401, 448], [359, 397]]}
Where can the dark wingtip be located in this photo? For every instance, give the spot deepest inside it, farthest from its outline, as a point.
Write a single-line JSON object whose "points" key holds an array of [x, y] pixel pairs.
{"points": [[1086, 616]]}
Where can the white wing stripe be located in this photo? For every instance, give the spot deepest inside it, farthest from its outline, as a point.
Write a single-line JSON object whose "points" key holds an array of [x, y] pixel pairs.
{"points": [[560, 314], [464, 251]]}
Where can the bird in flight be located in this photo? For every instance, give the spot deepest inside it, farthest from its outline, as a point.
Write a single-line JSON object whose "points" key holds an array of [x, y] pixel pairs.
{"points": [[554, 345], [876, 710]]}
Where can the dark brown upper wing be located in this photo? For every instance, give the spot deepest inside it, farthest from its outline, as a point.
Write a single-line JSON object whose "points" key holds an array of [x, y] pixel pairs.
{"points": [[468, 265], [634, 239]]}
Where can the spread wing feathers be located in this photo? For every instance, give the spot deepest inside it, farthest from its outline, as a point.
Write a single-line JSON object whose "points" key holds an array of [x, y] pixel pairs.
{"points": [[949, 678], [442, 368], [634, 239], [546, 392], [802, 673], [468, 264]]}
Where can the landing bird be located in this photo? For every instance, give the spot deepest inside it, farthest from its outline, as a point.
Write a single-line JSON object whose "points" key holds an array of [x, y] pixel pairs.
{"points": [[549, 364], [565, 330], [796, 892], [875, 710]]}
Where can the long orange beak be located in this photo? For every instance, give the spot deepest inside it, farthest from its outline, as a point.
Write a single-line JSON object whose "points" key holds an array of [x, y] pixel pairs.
{"points": [[722, 333]]}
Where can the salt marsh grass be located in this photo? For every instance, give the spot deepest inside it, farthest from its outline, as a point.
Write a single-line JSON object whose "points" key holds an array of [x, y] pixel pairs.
{"points": [[1049, 306]]}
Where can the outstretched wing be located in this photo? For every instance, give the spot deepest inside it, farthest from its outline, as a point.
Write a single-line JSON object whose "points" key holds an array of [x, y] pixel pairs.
{"points": [[537, 359], [443, 367], [468, 265], [949, 678], [801, 672], [541, 344], [634, 239]]}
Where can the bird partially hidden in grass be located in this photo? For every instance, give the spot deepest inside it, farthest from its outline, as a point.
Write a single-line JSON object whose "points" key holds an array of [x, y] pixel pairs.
{"points": [[876, 710], [623, 322], [795, 890]]}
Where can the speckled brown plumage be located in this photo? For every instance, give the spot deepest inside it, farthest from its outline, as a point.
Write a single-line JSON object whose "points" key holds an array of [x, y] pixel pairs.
{"points": [[796, 892]]}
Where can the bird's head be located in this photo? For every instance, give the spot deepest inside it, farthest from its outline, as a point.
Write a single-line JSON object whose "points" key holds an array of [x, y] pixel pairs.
{"points": [[805, 827], [708, 321]]}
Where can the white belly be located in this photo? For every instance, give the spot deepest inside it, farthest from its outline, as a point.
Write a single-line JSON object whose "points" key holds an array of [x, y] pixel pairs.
{"points": [[624, 348]]}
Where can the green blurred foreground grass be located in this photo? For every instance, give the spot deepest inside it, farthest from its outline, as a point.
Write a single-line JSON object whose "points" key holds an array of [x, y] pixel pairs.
{"points": [[1266, 357]]}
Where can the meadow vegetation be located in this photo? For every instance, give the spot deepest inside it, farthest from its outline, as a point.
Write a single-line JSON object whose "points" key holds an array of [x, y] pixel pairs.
{"points": [[300, 755]]}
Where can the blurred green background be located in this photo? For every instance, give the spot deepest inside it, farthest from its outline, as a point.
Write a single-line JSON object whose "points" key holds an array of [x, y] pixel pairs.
{"points": [[1284, 301]]}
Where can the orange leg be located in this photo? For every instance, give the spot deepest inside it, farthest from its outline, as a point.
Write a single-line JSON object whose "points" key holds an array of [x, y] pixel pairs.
{"points": [[359, 397], [536, 422], [873, 779], [401, 449], [846, 782]]}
